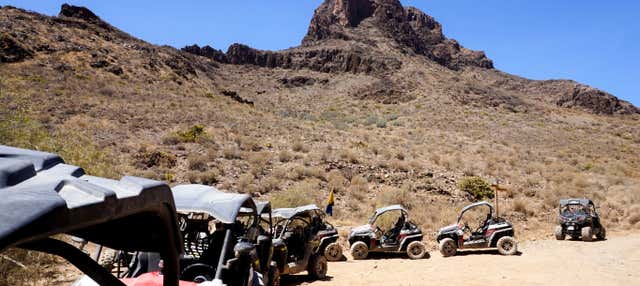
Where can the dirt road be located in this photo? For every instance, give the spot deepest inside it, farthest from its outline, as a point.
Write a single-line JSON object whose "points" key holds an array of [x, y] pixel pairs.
{"points": [[615, 261]]}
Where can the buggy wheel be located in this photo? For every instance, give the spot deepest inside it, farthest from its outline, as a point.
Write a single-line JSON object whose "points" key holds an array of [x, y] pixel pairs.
{"points": [[507, 245], [448, 247], [559, 233], [416, 250], [333, 252], [359, 250], [107, 258], [317, 267], [602, 234], [274, 276], [587, 233]]}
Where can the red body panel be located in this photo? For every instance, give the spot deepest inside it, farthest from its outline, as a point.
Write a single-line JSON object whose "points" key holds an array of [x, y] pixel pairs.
{"points": [[151, 279]]}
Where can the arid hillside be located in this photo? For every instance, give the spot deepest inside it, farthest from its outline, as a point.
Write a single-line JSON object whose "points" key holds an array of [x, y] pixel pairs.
{"points": [[376, 104]]}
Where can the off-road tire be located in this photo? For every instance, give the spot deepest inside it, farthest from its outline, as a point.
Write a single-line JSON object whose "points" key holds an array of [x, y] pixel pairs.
{"points": [[560, 235], [359, 250], [333, 251], [602, 234], [448, 247], [317, 267], [107, 258], [507, 245], [416, 250], [274, 276], [586, 233]]}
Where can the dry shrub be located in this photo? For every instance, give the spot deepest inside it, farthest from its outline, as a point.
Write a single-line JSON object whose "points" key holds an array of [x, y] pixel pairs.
{"points": [[285, 156], [197, 162], [209, 177], [335, 181], [396, 196], [302, 193], [358, 188], [244, 181], [248, 144], [231, 153], [349, 156], [37, 267], [269, 184], [299, 173], [298, 146], [520, 206], [259, 162], [151, 158], [400, 166]]}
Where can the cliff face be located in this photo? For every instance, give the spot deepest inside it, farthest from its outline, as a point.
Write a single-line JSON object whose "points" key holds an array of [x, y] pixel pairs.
{"points": [[410, 28]]}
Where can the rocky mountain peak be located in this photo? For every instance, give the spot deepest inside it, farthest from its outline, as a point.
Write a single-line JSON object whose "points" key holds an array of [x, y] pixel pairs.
{"points": [[410, 28], [83, 14]]}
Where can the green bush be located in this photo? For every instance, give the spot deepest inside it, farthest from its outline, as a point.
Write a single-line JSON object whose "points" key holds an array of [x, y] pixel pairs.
{"points": [[478, 187], [192, 135]]}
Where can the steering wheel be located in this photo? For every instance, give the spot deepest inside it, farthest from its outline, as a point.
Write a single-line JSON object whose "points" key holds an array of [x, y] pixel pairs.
{"points": [[379, 230], [466, 227]]}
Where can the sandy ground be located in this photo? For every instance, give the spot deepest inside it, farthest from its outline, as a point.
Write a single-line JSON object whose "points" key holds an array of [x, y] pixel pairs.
{"points": [[615, 261]]}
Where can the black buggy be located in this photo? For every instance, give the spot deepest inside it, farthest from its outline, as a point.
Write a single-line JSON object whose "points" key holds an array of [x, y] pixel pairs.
{"points": [[490, 233], [400, 236], [220, 237], [301, 239], [43, 197], [578, 218]]}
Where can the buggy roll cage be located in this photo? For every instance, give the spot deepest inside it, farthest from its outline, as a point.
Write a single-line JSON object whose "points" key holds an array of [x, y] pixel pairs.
{"points": [[474, 205], [391, 208], [42, 197], [284, 216]]}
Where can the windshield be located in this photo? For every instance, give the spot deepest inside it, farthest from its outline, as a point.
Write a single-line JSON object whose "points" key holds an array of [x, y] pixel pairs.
{"points": [[573, 209], [390, 219]]}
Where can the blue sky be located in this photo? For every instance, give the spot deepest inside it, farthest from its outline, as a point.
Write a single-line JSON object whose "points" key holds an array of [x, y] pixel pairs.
{"points": [[594, 42]]}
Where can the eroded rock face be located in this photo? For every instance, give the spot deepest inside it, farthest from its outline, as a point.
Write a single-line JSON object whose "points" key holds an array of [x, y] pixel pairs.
{"points": [[596, 101], [207, 51], [328, 60], [11, 51]]}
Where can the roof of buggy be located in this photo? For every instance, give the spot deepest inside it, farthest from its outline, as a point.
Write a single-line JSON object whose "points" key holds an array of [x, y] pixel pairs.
{"points": [[584, 202], [263, 206], [42, 196], [225, 207], [288, 213], [390, 208]]}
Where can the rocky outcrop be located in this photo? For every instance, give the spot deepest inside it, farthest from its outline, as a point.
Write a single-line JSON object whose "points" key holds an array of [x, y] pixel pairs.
{"points": [[11, 51], [82, 13], [330, 60], [409, 27], [596, 101], [208, 52]]}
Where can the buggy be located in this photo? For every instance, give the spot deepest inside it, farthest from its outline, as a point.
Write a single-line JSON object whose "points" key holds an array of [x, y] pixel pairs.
{"points": [[578, 218], [301, 239], [220, 238], [491, 233], [403, 236], [43, 197]]}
